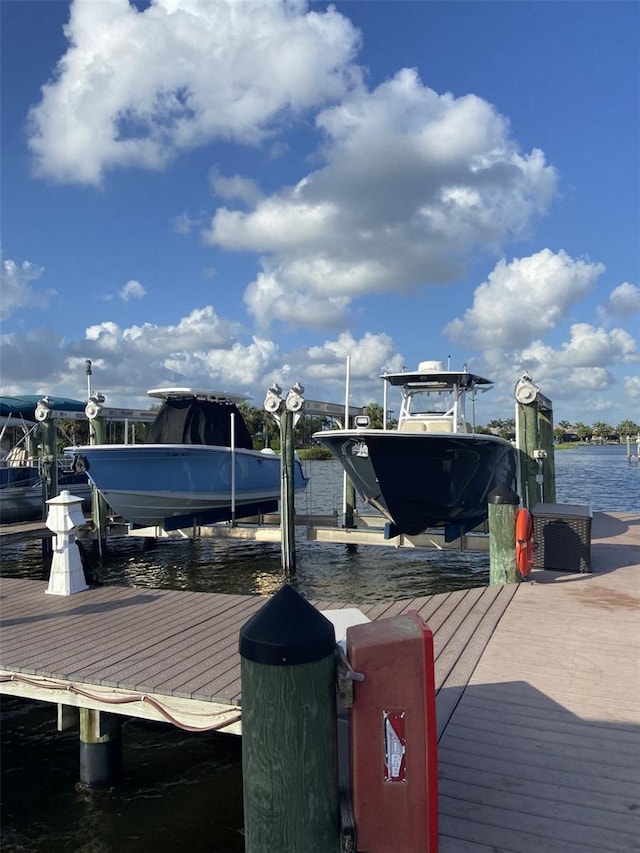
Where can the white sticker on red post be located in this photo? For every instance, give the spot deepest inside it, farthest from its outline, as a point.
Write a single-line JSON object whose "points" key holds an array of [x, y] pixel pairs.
{"points": [[395, 759]]}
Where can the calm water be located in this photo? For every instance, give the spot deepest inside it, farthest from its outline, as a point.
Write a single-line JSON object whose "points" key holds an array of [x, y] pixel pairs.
{"points": [[184, 791]]}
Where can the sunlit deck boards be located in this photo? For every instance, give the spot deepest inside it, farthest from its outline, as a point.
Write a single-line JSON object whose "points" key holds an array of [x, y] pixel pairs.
{"points": [[543, 750], [184, 644]]}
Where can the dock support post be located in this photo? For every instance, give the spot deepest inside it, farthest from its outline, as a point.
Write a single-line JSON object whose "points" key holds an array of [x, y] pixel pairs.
{"points": [[289, 752], [534, 438], [97, 435], [349, 503], [287, 494], [48, 462], [503, 508], [286, 413], [100, 748], [548, 465], [349, 491]]}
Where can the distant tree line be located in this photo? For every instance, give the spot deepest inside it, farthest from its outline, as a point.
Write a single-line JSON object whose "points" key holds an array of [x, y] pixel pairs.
{"points": [[566, 431]]}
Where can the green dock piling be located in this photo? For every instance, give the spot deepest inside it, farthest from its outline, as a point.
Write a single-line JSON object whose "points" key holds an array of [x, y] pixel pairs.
{"points": [[289, 752], [545, 433], [503, 508], [534, 438]]}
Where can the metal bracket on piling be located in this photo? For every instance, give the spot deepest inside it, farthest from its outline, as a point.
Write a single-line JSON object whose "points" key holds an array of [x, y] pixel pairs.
{"points": [[345, 676]]}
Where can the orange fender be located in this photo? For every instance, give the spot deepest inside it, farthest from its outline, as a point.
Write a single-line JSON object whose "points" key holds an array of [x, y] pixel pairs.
{"points": [[525, 545]]}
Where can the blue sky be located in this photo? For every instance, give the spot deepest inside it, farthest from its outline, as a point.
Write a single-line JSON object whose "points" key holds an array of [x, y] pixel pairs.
{"points": [[226, 194]]}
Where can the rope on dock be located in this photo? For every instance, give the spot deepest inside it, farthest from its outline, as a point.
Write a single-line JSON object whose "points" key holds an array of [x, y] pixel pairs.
{"points": [[123, 700]]}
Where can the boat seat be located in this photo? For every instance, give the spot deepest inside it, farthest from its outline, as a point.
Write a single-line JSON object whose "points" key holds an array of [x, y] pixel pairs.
{"points": [[413, 426], [17, 457], [440, 425]]}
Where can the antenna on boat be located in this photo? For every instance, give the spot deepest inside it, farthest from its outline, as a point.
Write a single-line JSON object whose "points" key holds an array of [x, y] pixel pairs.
{"points": [[87, 370], [448, 362]]}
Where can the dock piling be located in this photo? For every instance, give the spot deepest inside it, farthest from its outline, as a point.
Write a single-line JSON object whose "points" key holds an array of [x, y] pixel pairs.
{"points": [[100, 748], [503, 507], [289, 739], [97, 435], [286, 413], [534, 438]]}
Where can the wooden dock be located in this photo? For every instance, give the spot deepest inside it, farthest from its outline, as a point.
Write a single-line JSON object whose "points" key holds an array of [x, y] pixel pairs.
{"points": [[538, 686]]}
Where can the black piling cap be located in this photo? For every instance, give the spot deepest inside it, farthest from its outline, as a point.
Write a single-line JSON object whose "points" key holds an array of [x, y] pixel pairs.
{"points": [[504, 495], [287, 630]]}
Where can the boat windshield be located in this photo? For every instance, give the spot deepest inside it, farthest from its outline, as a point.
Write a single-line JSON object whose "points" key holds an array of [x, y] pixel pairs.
{"points": [[433, 403]]}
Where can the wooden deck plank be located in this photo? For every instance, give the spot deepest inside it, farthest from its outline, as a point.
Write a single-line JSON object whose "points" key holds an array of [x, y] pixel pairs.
{"points": [[33, 620], [460, 670], [167, 659], [469, 766], [76, 640], [542, 751], [519, 832], [518, 694], [545, 751], [558, 818], [152, 650], [606, 807], [492, 716]]}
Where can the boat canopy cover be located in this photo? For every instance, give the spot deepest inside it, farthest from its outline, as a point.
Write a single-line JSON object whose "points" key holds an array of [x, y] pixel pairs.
{"points": [[26, 405], [441, 378], [198, 422]]}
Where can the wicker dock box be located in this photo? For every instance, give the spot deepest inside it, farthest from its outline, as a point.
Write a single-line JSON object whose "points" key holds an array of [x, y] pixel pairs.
{"points": [[562, 533]]}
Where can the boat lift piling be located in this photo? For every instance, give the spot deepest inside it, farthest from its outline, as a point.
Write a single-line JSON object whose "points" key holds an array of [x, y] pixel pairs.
{"points": [[286, 413], [633, 457], [48, 460], [534, 440], [97, 435]]}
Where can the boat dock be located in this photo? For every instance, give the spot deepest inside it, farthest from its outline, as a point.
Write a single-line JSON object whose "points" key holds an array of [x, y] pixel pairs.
{"points": [[538, 686]]}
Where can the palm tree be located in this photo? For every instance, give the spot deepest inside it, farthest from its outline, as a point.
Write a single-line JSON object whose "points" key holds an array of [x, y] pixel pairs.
{"points": [[375, 413]]}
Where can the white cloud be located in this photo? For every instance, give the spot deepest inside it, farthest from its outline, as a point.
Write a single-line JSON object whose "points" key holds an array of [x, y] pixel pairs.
{"points": [[201, 329], [623, 302], [369, 356], [29, 360], [16, 290], [184, 224], [524, 299], [134, 88], [132, 290], [412, 182], [587, 362], [632, 388], [200, 350], [234, 187], [267, 300]]}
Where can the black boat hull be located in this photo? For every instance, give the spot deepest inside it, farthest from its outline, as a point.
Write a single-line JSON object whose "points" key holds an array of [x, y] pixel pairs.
{"points": [[423, 481]]}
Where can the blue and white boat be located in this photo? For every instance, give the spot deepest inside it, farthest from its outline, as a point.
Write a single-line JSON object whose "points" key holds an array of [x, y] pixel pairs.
{"points": [[197, 466]]}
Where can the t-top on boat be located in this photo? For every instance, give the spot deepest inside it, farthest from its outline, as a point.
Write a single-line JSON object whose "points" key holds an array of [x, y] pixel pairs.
{"points": [[198, 465], [433, 470]]}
